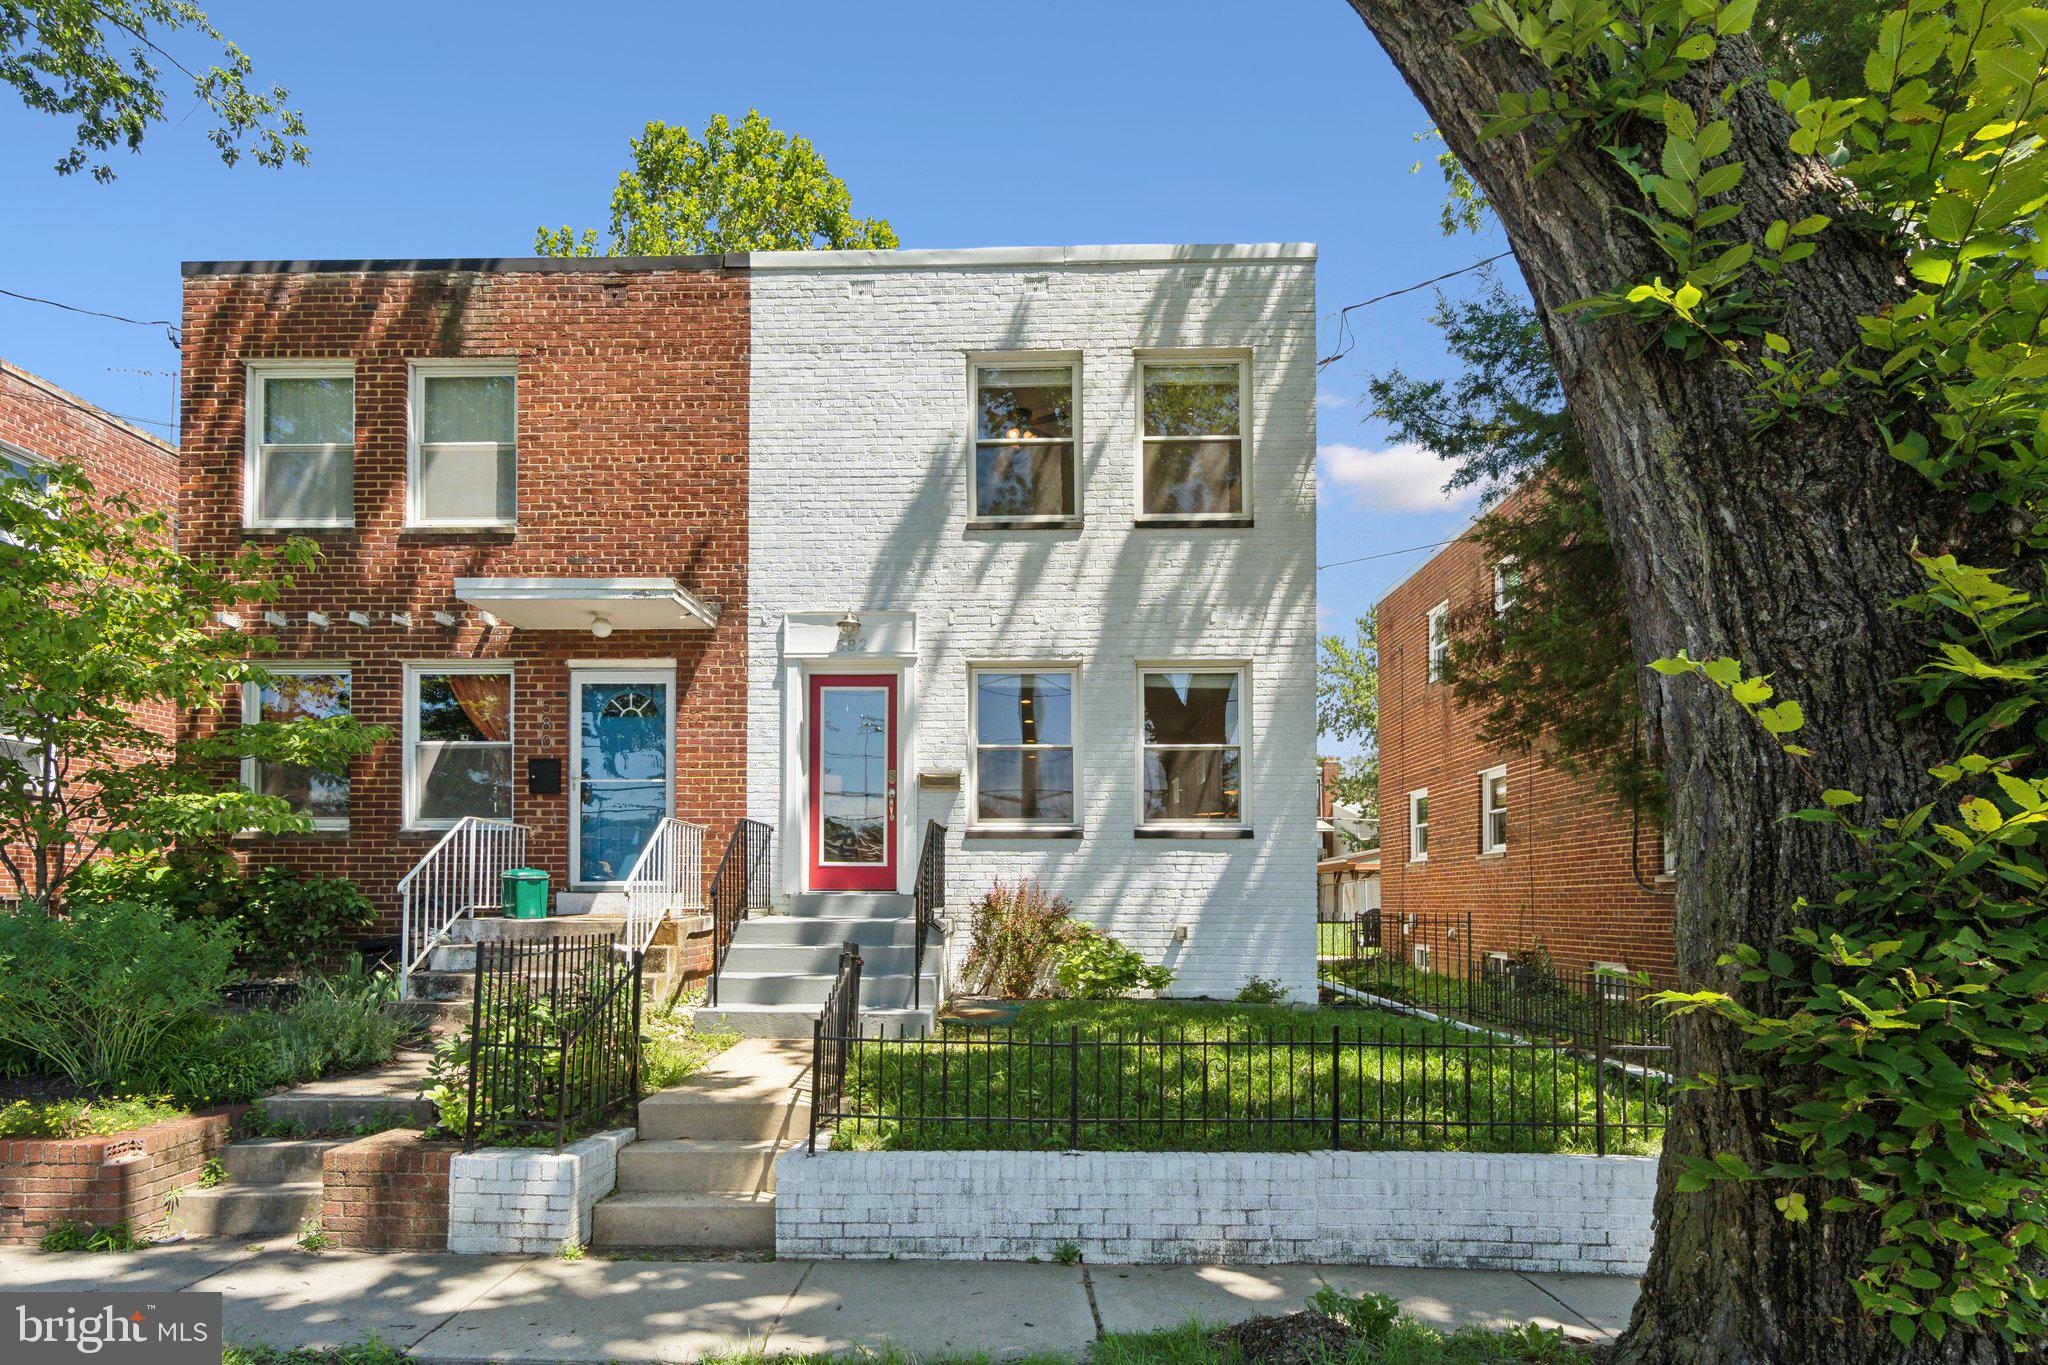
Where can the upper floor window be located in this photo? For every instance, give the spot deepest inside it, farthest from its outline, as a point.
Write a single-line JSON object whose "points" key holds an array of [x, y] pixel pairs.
{"points": [[299, 691], [1493, 810], [1439, 639], [1507, 581], [1023, 725], [1024, 442], [1669, 861], [299, 461], [1192, 457], [16, 463], [463, 453], [458, 742], [1192, 746], [1418, 826]]}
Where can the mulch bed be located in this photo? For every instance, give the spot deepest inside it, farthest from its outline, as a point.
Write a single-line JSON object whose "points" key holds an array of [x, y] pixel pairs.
{"points": [[39, 1089], [1304, 1338]]}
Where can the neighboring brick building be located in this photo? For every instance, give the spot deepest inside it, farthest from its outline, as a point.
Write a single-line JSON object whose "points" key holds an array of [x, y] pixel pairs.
{"points": [[1559, 868], [580, 423], [40, 422]]}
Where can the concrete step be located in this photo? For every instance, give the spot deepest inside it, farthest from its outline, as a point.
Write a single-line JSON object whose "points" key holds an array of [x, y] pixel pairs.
{"points": [[438, 985], [677, 1114], [725, 1222], [819, 930], [748, 957], [611, 904], [699, 1166], [794, 1021], [248, 1210], [436, 1016], [460, 958], [852, 904], [882, 991], [275, 1161]]}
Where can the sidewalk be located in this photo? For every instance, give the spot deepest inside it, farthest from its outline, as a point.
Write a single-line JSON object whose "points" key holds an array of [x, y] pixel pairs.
{"points": [[448, 1309]]}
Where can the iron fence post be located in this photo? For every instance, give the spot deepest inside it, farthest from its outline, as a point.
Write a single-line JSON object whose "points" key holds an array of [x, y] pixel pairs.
{"points": [[817, 1073], [1074, 1089], [1600, 1071], [633, 1070], [1336, 1089], [476, 1033]]}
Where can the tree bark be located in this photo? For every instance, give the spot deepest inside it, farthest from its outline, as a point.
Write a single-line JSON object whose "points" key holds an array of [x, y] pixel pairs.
{"points": [[1782, 547]]}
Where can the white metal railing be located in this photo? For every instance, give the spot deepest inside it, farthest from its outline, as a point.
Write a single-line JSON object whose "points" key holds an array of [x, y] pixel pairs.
{"points": [[460, 875], [668, 876]]}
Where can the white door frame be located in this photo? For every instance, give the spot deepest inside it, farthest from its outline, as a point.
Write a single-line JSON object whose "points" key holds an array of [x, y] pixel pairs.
{"points": [[653, 671]]}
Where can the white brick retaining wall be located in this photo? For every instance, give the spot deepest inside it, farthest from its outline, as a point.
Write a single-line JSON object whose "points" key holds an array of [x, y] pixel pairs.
{"points": [[511, 1199], [1547, 1213]]}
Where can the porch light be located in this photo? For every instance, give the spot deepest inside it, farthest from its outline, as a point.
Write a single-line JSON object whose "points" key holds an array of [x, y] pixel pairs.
{"points": [[600, 625]]}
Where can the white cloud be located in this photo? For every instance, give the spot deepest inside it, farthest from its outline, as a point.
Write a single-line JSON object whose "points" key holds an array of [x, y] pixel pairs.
{"points": [[1400, 478], [1334, 400]]}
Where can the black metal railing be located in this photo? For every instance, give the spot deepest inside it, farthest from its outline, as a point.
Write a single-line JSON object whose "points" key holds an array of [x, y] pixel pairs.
{"points": [[928, 898], [739, 886], [554, 1039], [835, 1024], [1360, 1088], [1434, 961]]}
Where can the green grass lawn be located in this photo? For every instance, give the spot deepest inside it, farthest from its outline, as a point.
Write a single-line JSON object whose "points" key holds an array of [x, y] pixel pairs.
{"points": [[1168, 1075]]}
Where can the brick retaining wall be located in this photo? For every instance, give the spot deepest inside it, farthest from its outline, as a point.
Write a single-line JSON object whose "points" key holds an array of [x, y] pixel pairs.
{"points": [[387, 1192], [508, 1199], [120, 1178]]}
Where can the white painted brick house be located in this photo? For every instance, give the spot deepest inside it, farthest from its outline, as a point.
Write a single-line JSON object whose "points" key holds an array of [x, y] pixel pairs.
{"points": [[955, 511]]}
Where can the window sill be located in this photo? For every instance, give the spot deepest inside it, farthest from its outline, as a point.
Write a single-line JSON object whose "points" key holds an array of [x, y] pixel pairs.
{"points": [[1194, 523], [339, 831], [1024, 523], [1489, 855], [1191, 832], [423, 532], [324, 529], [1418, 862], [1022, 832]]}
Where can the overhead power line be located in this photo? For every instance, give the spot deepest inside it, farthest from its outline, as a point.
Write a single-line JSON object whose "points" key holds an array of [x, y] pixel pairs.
{"points": [[170, 328], [1384, 554], [1344, 338]]}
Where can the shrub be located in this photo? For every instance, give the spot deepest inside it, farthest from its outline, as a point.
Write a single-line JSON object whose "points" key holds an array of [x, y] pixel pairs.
{"points": [[1261, 990], [202, 884], [86, 1237], [290, 923], [92, 997], [1015, 933], [1093, 966], [84, 1118]]}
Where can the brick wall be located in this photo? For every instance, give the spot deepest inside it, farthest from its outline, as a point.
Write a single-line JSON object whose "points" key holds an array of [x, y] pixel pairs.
{"points": [[504, 1200], [43, 422], [1581, 877], [387, 1192], [120, 1178], [632, 461]]}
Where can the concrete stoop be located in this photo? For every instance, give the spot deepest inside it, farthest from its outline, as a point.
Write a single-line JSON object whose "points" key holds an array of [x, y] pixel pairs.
{"points": [[779, 968], [439, 995], [273, 1186], [702, 1174]]}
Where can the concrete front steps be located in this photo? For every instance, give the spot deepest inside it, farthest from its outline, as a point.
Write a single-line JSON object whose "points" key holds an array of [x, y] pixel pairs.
{"points": [[702, 1174], [779, 968], [273, 1186]]}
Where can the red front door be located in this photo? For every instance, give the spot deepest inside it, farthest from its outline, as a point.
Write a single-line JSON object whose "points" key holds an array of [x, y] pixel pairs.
{"points": [[851, 823]]}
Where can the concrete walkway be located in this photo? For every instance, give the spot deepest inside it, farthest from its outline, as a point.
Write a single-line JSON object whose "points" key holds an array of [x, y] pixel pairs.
{"points": [[448, 1309]]}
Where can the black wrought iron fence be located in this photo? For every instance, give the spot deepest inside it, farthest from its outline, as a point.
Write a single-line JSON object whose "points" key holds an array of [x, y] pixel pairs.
{"points": [[554, 1039], [838, 1022], [1357, 1088], [928, 897], [1434, 962], [738, 887]]}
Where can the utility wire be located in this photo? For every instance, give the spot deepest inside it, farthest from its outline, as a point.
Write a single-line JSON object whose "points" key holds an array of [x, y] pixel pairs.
{"points": [[1344, 337], [1383, 554], [170, 328]]}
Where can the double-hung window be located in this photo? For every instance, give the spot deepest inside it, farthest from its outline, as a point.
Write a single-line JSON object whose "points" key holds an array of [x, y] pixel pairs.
{"points": [[463, 464], [1418, 826], [299, 463], [1439, 639], [299, 691], [1493, 810], [1023, 721], [1024, 441], [1507, 581], [1192, 744], [458, 742], [1192, 442]]}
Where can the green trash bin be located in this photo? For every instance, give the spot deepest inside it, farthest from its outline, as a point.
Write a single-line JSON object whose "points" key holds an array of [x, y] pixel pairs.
{"points": [[524, 893]]}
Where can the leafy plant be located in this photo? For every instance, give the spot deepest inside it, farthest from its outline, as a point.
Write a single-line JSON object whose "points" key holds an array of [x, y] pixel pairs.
{"points": [[1262, 990], [292, 923], [212, 1173], [1012, 938], [95, 996], [86, 1237], [1066, 1253], [313, 1238], [1091, 965], [83, 1117], [1370, 1315], [570, 1250]]}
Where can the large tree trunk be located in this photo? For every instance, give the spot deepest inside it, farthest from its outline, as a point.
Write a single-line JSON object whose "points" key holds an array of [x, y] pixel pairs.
{"points": [[1782, 547]]}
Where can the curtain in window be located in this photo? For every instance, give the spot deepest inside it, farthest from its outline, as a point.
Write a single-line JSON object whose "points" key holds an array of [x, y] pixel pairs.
{"points": [[484, 699]]}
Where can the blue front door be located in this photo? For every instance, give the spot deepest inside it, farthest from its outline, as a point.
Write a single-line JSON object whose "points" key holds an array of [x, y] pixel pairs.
{"points": [[624, 728]]}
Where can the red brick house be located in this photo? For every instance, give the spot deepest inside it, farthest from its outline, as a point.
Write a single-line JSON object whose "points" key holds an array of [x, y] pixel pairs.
{"points": [[40, 422], [1543, 861]]}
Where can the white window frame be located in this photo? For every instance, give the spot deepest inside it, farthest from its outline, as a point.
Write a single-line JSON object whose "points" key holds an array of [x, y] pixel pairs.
{"points": [[1243, 669], [14, 454], [1488, 846], [412, 771], [418, 372], [1506, 582], [252, 709], [1439, 639], [256, 373], [972, 782], [1415, 799], [1238, 356], [995, 360], [1669, 861]]}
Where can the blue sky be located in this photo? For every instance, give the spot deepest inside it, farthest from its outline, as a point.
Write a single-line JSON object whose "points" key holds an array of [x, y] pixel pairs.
{"points": [[448, 129]]}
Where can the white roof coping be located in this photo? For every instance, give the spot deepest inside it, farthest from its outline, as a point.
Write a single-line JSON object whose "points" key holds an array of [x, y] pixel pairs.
{"points": [[1242, 253]]}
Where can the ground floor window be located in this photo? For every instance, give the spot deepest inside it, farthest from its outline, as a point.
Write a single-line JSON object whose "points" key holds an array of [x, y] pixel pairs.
{"points": [[1022, 720], [1192, 745], [458, 742], [299, 691]]}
